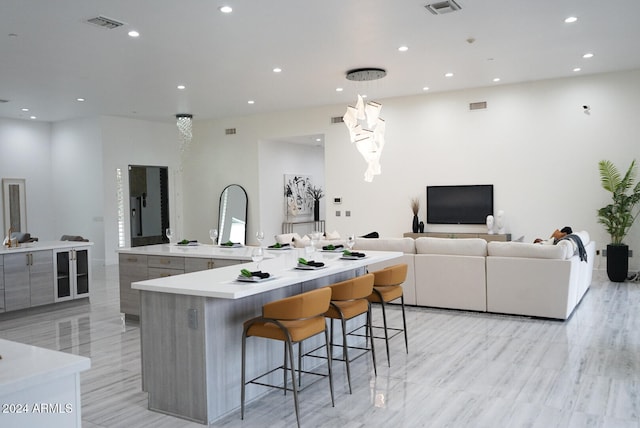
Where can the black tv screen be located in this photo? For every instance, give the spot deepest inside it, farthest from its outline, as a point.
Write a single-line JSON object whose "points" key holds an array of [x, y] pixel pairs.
{"points": [[459, 204]]}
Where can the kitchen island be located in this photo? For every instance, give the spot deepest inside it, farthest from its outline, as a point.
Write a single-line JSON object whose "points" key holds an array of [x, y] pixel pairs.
{"points": [[191, 329]]}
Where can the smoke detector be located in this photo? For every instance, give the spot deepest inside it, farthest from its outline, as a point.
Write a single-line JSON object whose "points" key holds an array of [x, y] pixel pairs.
{"points": [[442, 7]]}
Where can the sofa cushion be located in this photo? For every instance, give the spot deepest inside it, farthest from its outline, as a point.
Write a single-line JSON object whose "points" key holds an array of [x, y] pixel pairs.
{"points": [[534, 251], [452, 247], [286, 238], [406, 245], [332, 235]]}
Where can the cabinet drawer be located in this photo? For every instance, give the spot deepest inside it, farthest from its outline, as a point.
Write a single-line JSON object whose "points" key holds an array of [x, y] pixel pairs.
{"points": [[196, 264], [166, 262], [132, 260], [161, 273]]}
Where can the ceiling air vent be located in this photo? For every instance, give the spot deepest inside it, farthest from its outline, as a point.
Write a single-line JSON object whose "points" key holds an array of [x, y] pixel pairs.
{"points": [[230, 131], [441, 7], [4, 101], [105, 22], [478, 106], [337, 119]]}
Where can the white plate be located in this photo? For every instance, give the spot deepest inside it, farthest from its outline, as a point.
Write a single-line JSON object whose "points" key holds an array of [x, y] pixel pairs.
{"points": [[306, 267], [235, 245], [253, 279], [190, 244], [352, 257]]}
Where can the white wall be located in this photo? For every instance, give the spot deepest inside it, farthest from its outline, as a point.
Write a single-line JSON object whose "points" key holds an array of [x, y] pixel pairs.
{"points": [[25, 152], [278, 158], [136, 142], [76, 162], [534, 143]]}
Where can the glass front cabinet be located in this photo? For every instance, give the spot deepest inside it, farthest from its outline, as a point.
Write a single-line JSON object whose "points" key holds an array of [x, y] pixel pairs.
{"points": [[72, 273]]}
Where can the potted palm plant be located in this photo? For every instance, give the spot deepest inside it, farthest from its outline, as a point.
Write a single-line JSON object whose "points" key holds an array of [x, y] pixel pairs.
{"points": [[619, 215]]}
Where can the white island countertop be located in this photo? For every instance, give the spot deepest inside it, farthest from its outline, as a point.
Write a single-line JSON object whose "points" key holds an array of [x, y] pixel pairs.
{"points": [[200, 250], [222, 282], [26, 366]]}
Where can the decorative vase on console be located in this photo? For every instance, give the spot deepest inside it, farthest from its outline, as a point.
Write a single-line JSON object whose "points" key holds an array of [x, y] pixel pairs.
{"points": [[421, 227], [415, 207], [316, 194]]}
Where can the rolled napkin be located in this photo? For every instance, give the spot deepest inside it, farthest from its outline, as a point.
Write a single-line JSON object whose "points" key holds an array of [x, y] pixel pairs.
{"points": [[278, 245], [259, 274], [311, 263], [332, 247], [353, 254]]}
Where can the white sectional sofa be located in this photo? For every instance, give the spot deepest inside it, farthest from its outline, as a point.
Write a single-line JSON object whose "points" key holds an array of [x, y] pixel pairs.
{"points": [[450, 273], [502, 277], [537, 280]]}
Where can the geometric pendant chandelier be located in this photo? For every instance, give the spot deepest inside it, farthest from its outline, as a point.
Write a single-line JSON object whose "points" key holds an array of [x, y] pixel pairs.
{"points": [[366, 127]]}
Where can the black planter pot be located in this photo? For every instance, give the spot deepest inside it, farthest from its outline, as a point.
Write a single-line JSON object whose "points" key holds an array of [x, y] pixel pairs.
{"points": [[617, 262], [316, 211], [415, 224]]}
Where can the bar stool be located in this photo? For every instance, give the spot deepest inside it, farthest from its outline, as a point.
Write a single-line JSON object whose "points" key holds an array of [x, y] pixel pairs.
{"points": [[349, 300], [387, 287], [290, 320]]}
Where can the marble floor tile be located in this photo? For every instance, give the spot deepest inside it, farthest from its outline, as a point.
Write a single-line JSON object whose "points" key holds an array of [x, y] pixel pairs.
{"points": [[463, 369]]}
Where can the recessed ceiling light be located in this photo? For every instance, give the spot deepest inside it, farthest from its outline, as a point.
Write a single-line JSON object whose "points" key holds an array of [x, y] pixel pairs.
{"points": [[496, 79], [318, 139], [80, 99], [251, 102], [577, 69], [364, 95], [225, 9], [181, 87], [339, 89], [24, 109], [426, 88], [277, 70], [587, 55], [32, 117], [448, 75], [571, 19], [133, 33], [403, 48]]}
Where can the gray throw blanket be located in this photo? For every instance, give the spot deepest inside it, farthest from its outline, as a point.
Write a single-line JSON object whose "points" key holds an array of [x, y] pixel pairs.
{"points": [[581, 251]]}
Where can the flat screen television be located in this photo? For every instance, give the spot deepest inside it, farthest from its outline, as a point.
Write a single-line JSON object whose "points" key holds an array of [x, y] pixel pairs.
{"points": [[466, 204]]}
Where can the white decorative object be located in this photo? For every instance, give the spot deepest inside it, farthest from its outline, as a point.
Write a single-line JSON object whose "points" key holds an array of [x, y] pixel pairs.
{"points": [[490, 225], [500, 222]]}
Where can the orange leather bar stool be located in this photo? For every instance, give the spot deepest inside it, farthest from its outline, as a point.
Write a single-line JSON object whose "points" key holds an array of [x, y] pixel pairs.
{"points": [[349, 300], [387, 287], [290, 320]]}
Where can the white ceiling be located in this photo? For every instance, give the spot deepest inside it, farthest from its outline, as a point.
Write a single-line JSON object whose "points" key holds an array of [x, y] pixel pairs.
{"points": [[49, 55]]}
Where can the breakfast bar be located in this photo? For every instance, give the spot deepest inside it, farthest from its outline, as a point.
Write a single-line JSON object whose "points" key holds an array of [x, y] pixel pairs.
{"points": [[191, 328]]}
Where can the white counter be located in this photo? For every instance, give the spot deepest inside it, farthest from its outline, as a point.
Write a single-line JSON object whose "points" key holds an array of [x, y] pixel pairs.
{"points": [[45, 245], [222, 283], [39, 387]]}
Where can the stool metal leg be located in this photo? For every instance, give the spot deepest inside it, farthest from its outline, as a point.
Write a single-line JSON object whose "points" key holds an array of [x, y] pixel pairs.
{"points": [[386, 334], [404, 323]]}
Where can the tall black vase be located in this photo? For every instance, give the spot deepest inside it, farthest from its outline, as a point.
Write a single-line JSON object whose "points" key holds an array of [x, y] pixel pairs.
{"points": [[316, 210], [415, 224], [617, 262]]}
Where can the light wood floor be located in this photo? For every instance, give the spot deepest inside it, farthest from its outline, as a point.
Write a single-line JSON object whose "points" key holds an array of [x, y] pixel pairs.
{"points": [[463, 369]]}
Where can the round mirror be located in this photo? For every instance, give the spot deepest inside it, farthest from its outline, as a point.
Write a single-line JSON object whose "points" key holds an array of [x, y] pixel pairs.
{"points": [[232, 218]]}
